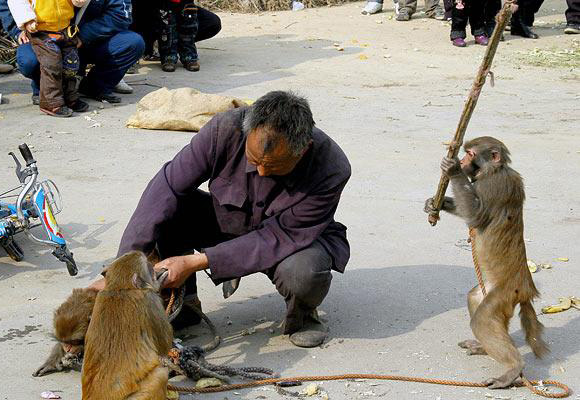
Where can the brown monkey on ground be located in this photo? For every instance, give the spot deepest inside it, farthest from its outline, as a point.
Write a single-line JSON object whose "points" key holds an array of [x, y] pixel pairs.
{"points": [[71, 321], [128, 334], [489, 196]]}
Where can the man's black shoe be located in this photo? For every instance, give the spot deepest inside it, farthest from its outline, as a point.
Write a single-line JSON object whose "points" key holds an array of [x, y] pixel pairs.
{"points": [[35, 99], [523, 30], [79, 106], [109, 98]]}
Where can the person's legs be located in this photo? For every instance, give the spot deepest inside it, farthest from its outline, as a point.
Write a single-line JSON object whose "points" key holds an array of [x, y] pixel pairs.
{"points": [[111, 58], [29, 66], [49, 55], [187, 26], [168, 38], [303, 279], [573, 17], [490, 11], [209, 24], [70, 68], [193, 227], [476, 18], [521, 19], [459, 17]]}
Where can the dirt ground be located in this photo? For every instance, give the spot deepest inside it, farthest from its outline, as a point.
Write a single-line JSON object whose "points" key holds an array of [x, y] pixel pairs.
{"points": [[389, 99]]}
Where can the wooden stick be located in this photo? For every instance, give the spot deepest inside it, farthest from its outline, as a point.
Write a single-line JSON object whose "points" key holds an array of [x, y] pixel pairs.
{"points": [[502, 19]]}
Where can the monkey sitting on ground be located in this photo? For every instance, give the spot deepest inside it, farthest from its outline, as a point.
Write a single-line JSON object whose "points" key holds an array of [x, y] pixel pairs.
{"points": [[71, 321], [127, 335], [489, 196]]}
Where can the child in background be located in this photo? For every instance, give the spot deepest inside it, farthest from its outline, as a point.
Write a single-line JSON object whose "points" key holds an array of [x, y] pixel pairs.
{"points": [[462, 12], [47, 25], [177, 34]]}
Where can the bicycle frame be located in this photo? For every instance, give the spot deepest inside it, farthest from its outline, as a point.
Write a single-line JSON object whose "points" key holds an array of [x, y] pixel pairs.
{"points": [[36, 200]]}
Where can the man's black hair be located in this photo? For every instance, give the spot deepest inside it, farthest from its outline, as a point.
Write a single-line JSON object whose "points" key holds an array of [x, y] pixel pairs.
{"points": [[283, 114]]}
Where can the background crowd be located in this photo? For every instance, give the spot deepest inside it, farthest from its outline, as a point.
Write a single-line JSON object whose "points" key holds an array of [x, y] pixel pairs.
{"points": [[111, 36]]}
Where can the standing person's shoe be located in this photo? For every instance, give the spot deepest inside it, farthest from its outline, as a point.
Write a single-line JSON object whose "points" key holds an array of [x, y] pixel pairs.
{"points": [[482, 40], [123, 88], [438, 14], [459, 42], [191, 66], [168, 66], [519, 29], [35, 99], [372, 7], [79, 106], [403, 15], [572, 29], [59, 112]]}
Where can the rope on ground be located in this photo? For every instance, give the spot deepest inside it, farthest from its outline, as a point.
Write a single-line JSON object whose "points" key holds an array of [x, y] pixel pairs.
{"points": [[566, 392]]}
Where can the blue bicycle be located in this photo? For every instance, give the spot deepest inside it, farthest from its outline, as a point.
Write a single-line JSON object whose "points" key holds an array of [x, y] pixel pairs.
{"points": [[36, 205]]}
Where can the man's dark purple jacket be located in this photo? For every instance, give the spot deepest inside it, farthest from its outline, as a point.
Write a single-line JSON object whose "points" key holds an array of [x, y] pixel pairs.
{"points": [[270, 218]]}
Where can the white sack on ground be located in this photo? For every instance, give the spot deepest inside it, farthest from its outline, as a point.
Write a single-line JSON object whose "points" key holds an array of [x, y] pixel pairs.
{"points": [[183, 109]]}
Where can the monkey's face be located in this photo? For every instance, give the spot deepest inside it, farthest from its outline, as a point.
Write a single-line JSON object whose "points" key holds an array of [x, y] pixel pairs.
{"points": [[73, 347], [468, 163]]}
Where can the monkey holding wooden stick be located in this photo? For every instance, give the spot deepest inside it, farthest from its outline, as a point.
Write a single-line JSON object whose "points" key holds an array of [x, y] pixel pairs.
{"points": [[127, 335], [489, 196]]}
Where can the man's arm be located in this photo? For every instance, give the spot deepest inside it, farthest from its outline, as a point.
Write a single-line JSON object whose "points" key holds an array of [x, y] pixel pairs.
{"points": [[190, 167], [278, 236], [7, 21], [115, 18]]}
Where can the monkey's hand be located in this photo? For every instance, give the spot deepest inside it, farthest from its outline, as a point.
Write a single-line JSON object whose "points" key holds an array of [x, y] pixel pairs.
{"points": [[53, 363], [429, 207], [451, 166]]}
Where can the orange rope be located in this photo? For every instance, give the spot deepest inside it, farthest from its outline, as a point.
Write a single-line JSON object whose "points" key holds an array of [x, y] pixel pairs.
{"points": [[565, 389]]}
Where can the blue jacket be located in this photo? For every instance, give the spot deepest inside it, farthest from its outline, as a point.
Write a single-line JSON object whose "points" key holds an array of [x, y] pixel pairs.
{"points": [[102, 20]]}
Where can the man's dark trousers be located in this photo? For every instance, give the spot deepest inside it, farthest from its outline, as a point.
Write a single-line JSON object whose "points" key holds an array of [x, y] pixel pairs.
{"points": [[111, 58], [303, 278], [573, 12]]}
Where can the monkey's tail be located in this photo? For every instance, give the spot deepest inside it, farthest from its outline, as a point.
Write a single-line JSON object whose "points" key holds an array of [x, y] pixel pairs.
{"points": [[533, 329]]}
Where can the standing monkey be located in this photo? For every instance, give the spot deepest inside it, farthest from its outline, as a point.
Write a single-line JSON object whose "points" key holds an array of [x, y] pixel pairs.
{"points": [[489, 196], [127, 335]]}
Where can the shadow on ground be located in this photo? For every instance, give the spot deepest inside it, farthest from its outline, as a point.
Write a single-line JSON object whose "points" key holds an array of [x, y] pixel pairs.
{"points": [[367, 303]]}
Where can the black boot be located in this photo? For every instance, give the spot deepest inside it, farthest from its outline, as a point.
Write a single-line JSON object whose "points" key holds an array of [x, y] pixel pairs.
{"points": [[520, 29]]}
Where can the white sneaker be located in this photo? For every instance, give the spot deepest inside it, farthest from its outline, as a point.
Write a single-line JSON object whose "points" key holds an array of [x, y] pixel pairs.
{"points": [[297, 6], [372, 7], [123, 88], [396, 6]]}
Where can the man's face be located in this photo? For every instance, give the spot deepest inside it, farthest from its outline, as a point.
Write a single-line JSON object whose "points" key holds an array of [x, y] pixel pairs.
{"points": [[277, 161]]}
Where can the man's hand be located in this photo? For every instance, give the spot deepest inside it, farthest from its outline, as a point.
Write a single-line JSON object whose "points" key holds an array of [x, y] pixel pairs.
{"points": [[22, 38], [180, 268]]}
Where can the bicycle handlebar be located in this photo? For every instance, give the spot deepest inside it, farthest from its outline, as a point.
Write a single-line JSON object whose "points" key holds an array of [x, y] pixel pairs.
{"points": [[27, 154]]}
